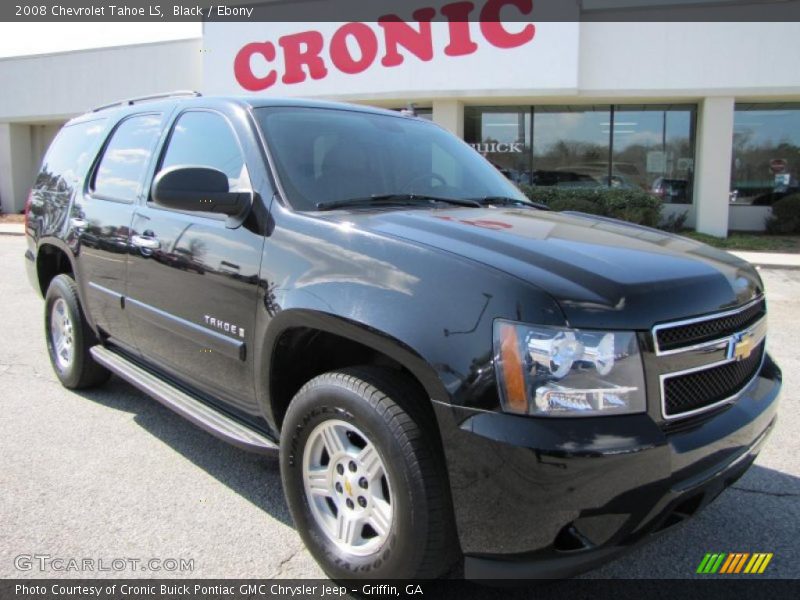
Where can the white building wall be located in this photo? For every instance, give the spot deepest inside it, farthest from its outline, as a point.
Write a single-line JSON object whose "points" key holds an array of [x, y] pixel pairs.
{"points": [[748, 218], [692, 60], [56, 87], [16, 166], [450, 115], [713, 155], [40, 93], [41, 136]]}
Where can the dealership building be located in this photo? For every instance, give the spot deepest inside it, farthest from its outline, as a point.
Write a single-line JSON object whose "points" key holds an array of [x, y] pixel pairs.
{"points": [[705, 115]]}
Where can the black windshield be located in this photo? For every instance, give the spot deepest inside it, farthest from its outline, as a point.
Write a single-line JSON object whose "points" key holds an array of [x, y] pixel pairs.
{"points": [[330, 155]]}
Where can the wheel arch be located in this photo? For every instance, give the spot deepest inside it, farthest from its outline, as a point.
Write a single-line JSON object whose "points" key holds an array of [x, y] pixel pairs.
{"points": [[294, 333], [53, 257]]}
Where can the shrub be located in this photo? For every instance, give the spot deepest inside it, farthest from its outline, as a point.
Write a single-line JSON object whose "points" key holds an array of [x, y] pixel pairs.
{"points": [[785, 216], [675, 223], [636, 206], [583, 205]]}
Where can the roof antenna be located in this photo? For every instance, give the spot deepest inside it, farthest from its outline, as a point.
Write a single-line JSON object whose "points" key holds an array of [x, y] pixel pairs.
{"points": [[410, 110]]}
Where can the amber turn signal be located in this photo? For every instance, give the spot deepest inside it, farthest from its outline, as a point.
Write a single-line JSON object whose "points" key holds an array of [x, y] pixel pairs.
{"points": [[514, 382]]}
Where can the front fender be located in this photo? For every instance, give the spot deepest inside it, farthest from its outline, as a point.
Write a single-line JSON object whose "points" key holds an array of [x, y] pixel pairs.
{"points": [[432, 311], [337, 325]]}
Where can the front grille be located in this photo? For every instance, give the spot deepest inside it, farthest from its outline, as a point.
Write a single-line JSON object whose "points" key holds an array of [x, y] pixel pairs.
{"points": [[700, 389], [681, 336]]}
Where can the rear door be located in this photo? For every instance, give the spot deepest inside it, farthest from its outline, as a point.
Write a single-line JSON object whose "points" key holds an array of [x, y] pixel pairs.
{"points": [[100, 221], [193, 277]]}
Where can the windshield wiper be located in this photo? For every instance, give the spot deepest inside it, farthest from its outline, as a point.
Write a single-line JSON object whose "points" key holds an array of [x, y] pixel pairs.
{"points": [[509, 201], [398, 199]]}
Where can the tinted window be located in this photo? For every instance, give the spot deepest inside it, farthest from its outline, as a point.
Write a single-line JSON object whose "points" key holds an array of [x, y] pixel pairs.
{"points": [[766, 153], [325, 155], [621, 146], [119, 175], [570, 146], [70, 155], [654, 151], [204, 139]]}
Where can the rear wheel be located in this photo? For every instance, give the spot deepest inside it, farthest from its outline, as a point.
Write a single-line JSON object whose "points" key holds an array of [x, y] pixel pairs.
{"points": [[365, 479], [69, 337]]}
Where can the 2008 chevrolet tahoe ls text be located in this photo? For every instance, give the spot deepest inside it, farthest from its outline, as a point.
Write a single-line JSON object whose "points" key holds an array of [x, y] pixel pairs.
{"points": [[449, 371]]}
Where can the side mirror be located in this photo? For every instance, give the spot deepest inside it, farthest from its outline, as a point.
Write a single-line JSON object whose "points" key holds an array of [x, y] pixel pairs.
{"points": [[198, 189]]}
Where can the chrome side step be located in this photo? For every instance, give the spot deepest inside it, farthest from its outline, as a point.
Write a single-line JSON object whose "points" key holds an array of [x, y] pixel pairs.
{"points": [[202, 415]]}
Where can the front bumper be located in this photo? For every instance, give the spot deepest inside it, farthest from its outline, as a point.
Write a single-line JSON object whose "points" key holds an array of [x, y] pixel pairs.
{"points": [[545, 498]]}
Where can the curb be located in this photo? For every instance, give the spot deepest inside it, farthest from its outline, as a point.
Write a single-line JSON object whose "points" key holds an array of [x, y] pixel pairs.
{"points": [[776, 267], [12, 228], [767, 260]]}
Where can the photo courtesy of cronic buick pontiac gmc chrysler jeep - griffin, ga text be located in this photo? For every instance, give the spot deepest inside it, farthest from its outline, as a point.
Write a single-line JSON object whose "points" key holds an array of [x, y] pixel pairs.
{"points": [[448, 371]]}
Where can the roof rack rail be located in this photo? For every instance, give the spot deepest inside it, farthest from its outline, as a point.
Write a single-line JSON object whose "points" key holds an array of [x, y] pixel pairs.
{"points": [[132, 101]]}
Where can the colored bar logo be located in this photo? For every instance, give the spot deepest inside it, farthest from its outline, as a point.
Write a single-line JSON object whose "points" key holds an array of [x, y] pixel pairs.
{"points": [[734, 563]]}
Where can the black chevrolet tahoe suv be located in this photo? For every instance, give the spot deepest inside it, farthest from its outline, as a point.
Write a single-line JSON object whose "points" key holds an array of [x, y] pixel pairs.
{"points": [[448, 371]]}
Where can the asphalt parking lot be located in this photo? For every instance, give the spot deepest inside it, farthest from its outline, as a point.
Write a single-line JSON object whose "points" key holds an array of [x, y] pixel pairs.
{"points": [[110, 474]]}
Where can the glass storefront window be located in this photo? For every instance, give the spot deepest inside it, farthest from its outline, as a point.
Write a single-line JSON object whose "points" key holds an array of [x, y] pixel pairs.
{"points": [[653, 150], [766, 153], [503, 137], [570, 146], [645, 146]]}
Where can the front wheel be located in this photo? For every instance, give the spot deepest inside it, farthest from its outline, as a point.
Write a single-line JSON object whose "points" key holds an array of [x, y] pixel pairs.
{"points": [[364, 477]]}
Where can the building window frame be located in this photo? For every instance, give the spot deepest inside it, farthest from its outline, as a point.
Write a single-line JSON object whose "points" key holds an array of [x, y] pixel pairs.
{"points": [[612, 141]]}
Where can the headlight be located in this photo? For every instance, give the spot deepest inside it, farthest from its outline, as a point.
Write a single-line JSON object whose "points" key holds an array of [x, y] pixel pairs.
{"points": [[554, 372]]}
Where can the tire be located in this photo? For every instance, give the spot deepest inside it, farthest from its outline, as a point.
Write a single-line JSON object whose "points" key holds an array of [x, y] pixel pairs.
{"points": [[377, 406], [64, 321]]}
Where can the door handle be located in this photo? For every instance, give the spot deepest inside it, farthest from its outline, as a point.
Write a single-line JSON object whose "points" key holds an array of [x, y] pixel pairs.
{"points": [[78, 223], [146, 242]]}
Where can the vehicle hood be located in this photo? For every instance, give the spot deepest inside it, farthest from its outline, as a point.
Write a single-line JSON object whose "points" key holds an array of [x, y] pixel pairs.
{"points": [[603, 273]]}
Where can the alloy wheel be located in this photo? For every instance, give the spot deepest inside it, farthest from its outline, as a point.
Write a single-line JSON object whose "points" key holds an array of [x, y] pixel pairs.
{"points": [[347, 487], [62, 332]]}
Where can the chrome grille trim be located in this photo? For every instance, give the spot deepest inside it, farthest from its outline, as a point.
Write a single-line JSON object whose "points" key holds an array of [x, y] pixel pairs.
{"points": [[708, 407], [757, 329], [710, 317]]}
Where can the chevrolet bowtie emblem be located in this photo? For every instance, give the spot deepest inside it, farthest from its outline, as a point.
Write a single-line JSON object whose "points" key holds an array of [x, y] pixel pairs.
{"points": [[741, 346]]}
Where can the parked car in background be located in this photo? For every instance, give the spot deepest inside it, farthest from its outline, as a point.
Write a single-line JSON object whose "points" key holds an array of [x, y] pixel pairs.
{"points": [[671, 191]]}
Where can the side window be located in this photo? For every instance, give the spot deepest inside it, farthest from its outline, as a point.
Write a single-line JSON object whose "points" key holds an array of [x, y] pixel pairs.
{"points": [[69, 156], [119, 174], [205, 139]]}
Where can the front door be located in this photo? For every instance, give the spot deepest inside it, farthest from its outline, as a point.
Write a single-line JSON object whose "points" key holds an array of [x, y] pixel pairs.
{"points": [[193, 277]]}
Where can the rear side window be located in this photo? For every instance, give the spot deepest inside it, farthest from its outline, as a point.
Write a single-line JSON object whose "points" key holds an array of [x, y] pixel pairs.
{"points": [[121, 170], [205, 139], [70, 155]]}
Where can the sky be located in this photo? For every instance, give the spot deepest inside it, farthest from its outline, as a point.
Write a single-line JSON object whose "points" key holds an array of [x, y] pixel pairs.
{"points": [[19, 39]]}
